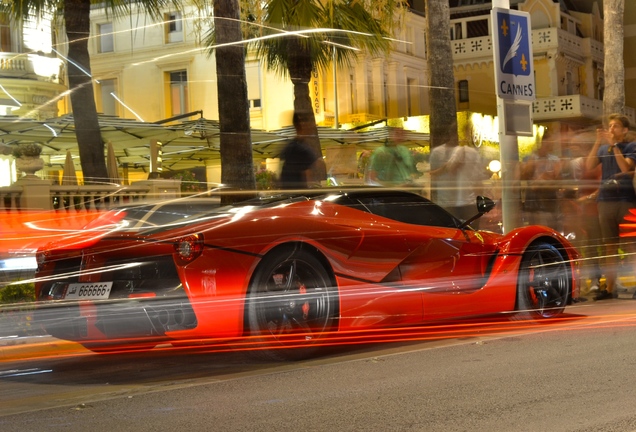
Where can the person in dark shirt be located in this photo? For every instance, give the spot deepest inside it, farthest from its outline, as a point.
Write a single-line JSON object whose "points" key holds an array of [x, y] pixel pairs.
{"points": [[617, 157], [298, 157]]}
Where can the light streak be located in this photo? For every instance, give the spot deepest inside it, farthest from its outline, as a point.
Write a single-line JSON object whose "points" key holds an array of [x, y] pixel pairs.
{"points": [[22, 372], [473, 331], [51, 129], [127, 107], [84, 71], [8, 94]]}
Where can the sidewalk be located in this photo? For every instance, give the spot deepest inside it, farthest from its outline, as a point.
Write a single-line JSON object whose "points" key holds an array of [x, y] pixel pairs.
{"points": [[628, 291], [16, 348]]}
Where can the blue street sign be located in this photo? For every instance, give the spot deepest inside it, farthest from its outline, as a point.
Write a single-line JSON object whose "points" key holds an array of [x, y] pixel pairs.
{"points": [[512, 49]]}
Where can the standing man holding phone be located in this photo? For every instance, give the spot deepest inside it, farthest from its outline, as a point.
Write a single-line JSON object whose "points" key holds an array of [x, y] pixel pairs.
{"points": [[616, 196]]}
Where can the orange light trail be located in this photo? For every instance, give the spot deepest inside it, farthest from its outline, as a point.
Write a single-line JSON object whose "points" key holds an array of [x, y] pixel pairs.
{"points": [[465, 331], [29, 230]]}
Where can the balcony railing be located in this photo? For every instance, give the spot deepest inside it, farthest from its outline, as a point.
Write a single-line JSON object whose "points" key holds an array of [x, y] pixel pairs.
{"points": [[32, 66], [473, 48], [542, 40], [571, 106], [42, 196]]}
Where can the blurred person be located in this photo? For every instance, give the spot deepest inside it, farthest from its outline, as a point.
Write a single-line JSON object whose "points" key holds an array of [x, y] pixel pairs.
{"points": [[617, 158], [299, 159], [580, 212], [542, 170], [392, 164], [442, 180], [459, 174]]}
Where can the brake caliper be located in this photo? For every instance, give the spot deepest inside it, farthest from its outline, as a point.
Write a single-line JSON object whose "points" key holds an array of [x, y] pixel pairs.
{"points": [[305, 307]]}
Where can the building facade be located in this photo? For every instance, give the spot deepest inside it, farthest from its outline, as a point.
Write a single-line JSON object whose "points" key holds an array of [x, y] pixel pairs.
{"points": [[153, 70]]}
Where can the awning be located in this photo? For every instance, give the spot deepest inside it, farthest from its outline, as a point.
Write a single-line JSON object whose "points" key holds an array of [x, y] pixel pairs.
{"points": [[185, 144]]}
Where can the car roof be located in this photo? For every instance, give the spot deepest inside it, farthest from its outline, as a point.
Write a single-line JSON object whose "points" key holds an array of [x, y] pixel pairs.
{"points": [[387, 203]]}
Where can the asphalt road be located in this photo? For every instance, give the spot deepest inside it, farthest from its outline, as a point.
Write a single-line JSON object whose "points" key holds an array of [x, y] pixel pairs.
{"points": [[573, 374]]}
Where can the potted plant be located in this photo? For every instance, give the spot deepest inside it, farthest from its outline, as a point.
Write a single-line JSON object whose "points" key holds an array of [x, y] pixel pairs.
{"points": [[27, 158]]}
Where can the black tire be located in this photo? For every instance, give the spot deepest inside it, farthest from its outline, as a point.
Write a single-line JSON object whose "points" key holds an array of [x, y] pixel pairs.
{"points": [[291, 304], [544, 282]]}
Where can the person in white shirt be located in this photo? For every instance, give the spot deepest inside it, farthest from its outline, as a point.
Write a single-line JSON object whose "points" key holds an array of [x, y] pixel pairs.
{"points": [[459, 174]]}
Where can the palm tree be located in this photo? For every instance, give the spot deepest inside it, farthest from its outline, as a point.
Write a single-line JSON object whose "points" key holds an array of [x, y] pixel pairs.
{"points": [[237, 168], [614, 67], [295, 37], [443, 120], [441, 78], [76, 16]]}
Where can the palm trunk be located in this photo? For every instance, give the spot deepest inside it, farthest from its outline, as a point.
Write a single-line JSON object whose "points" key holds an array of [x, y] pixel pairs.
{"points": [[443, 118], [237, 166], [614, 68], [89, 139], [442, 78], [300, 68]]}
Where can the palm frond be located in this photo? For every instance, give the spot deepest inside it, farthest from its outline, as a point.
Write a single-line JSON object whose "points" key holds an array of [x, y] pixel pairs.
{"points": [[318, 27]]}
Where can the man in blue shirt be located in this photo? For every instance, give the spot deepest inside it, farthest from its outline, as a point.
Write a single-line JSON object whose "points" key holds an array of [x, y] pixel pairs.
{"points": [[616, 196]]}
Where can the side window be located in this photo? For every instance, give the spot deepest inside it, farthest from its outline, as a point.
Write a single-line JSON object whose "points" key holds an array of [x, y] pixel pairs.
{"points": [[253, 77], [5, 33], [173, 27], [108, 93], [178, 92], [409, 210], [347, 201], [105, 38]]}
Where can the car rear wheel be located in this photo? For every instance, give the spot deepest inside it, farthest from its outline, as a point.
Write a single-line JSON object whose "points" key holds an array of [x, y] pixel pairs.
{"points": [[291, 304], [543, 283]]}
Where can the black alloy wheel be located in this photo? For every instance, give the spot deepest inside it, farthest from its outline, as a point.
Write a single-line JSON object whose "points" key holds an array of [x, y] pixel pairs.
{"points": [[543, 283], [291, 304]]}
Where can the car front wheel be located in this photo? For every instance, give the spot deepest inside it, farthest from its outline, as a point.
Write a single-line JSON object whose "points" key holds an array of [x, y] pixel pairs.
{"points": [[543, 283]]}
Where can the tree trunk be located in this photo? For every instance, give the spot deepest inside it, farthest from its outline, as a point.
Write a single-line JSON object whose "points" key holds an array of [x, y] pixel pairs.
{"points": [[614, 68], [237, 166], [89, 138], [300, 68], [443, 116], [441, 75]]}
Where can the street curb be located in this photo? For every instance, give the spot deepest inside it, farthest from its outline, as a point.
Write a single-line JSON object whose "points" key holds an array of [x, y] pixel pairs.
{"points": [[14, 348]]}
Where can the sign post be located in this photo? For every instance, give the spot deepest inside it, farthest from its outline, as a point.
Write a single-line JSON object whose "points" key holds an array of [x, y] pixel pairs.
{"points": [[515, 88]]}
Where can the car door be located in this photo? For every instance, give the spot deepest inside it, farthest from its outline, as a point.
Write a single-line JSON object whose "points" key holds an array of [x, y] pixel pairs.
{"points": [[446, 264], [365, 252], [450, 266]]}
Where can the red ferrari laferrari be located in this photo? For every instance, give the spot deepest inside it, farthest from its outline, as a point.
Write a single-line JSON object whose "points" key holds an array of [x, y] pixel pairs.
{"points": [[291, 270]]}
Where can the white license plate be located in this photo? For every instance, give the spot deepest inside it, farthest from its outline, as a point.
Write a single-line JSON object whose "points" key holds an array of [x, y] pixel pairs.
{"points": [[88, 290]]}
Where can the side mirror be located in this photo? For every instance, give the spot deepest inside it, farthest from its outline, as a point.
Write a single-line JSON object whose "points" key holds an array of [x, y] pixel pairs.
{"points": [[484, 204]]}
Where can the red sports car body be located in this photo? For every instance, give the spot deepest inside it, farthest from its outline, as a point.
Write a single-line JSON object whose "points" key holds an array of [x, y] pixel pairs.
{"points": [[294, 268]]}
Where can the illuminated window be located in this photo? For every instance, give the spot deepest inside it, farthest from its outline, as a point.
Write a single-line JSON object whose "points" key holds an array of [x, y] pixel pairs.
{"points": [[412, 97], [370, 94], [108, 91], [173, 27], [105, 37], [178, 81], [5, 33], [408, 46], [253, 78], [353, 92], [385, 86]]}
